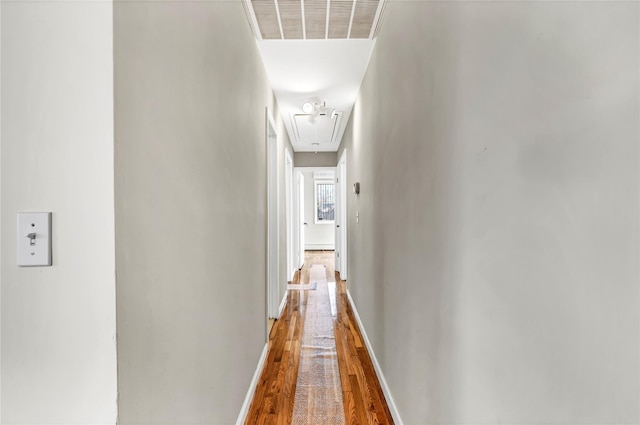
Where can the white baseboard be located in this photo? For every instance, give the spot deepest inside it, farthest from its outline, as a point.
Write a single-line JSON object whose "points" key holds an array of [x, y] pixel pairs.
{"points": [[383, 383], [242, 417]]}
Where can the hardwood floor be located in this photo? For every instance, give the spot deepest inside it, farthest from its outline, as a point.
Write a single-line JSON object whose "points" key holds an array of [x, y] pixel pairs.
{"points": [[273, 400]]}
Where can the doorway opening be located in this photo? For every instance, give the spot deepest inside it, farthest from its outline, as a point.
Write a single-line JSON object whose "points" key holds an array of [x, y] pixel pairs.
{"points": [[289, 208], [273, 253], [315, 214], [341, 216]]}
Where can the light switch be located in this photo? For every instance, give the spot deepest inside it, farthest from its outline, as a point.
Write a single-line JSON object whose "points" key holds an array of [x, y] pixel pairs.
{"points": [[34, 239]]}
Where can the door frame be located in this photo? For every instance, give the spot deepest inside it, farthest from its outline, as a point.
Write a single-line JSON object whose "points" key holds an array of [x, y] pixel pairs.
{"points": [[298, 224], [298, 199], [341, 232], [273, 230], [288, 177]]}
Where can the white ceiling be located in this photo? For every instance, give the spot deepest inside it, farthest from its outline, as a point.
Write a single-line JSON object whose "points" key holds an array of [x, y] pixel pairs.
{"points": [[331, 70]]}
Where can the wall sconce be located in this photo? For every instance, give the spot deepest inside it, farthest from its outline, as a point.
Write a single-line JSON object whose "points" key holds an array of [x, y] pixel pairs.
{"points": [[356, 188]]}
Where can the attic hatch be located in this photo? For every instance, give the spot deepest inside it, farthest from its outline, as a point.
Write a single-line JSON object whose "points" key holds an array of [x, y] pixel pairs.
{"points": [[314, 19], [322, 130]]}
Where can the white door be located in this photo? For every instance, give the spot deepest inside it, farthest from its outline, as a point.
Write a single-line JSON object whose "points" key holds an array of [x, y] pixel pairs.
{"points": [[301, 219]]}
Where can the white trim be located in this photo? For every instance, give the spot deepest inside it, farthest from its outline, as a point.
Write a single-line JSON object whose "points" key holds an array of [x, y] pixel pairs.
{"points": [[273, 222], [342, 214], [253, 21], [305, 169], [275, 2], [304, 27], [288, 178], [326, 26], [299, 214], [383, 382], [376, 20], [353, 12], [299, 220], [242, 416], [319, 247], [283, 303]]}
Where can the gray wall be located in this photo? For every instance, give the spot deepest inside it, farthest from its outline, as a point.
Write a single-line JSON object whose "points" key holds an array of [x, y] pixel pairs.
{"points": [[495, 265], [58, 323], [311, 159], [316, 236], [190, 185]]}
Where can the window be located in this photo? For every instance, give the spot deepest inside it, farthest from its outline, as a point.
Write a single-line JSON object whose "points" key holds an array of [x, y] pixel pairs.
{"points": [[324, 201]]}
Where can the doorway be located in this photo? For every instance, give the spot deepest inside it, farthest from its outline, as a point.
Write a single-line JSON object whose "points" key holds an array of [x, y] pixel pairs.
{"points": [[315, 215], [273, 254], [341, 217], [288, 177], [299, 220]]}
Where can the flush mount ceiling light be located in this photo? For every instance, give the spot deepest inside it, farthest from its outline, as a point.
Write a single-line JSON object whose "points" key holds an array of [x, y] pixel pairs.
{"points": [[314, 107], [307, 107]]}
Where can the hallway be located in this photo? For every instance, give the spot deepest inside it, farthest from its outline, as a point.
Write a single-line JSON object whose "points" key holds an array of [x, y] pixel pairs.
{"points": [[279, 385], [487, 193]]}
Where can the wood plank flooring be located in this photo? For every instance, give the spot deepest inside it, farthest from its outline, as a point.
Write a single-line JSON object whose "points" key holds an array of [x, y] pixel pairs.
{"points": [[273, 400]]}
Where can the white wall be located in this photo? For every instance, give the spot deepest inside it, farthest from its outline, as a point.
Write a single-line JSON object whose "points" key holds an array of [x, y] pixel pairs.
{"points": [[317, 236], [315, 159], [495, 265], [58, 323], [191, 220]]}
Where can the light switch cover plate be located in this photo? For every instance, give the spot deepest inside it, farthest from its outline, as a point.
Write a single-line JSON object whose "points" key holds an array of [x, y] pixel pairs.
{"points": [[34, 239]]}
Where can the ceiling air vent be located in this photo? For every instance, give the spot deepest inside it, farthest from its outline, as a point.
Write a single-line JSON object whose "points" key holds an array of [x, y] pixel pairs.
{"points": [[323, 129], [314, 19]]}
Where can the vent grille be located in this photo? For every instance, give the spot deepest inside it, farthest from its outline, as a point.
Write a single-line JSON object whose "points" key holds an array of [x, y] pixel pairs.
{"points": [[290, 12], [315, 19], [363, 18], [340, 18], [269, 26], [323, 130]]}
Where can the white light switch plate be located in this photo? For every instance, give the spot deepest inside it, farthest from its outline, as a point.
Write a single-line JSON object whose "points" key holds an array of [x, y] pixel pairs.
{"points": [[34, 239]]}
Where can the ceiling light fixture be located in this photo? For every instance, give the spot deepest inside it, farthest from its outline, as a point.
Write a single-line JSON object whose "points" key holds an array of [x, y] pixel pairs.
{"points": [[307, 107], [314, 107]]}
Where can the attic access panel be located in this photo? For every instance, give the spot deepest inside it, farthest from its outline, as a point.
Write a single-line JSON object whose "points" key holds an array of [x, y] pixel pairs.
{"points": [[323, 129]]}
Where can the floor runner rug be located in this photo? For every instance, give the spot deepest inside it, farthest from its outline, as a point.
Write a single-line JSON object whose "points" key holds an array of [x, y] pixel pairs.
{"points": [[318, 398]]}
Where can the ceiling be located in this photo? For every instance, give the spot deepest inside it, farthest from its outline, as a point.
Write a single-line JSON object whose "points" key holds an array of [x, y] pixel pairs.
{"points": [[315, 50]]}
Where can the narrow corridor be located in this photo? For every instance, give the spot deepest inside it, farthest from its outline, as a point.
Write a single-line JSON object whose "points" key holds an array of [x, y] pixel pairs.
{"points": [[299, 383]]}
